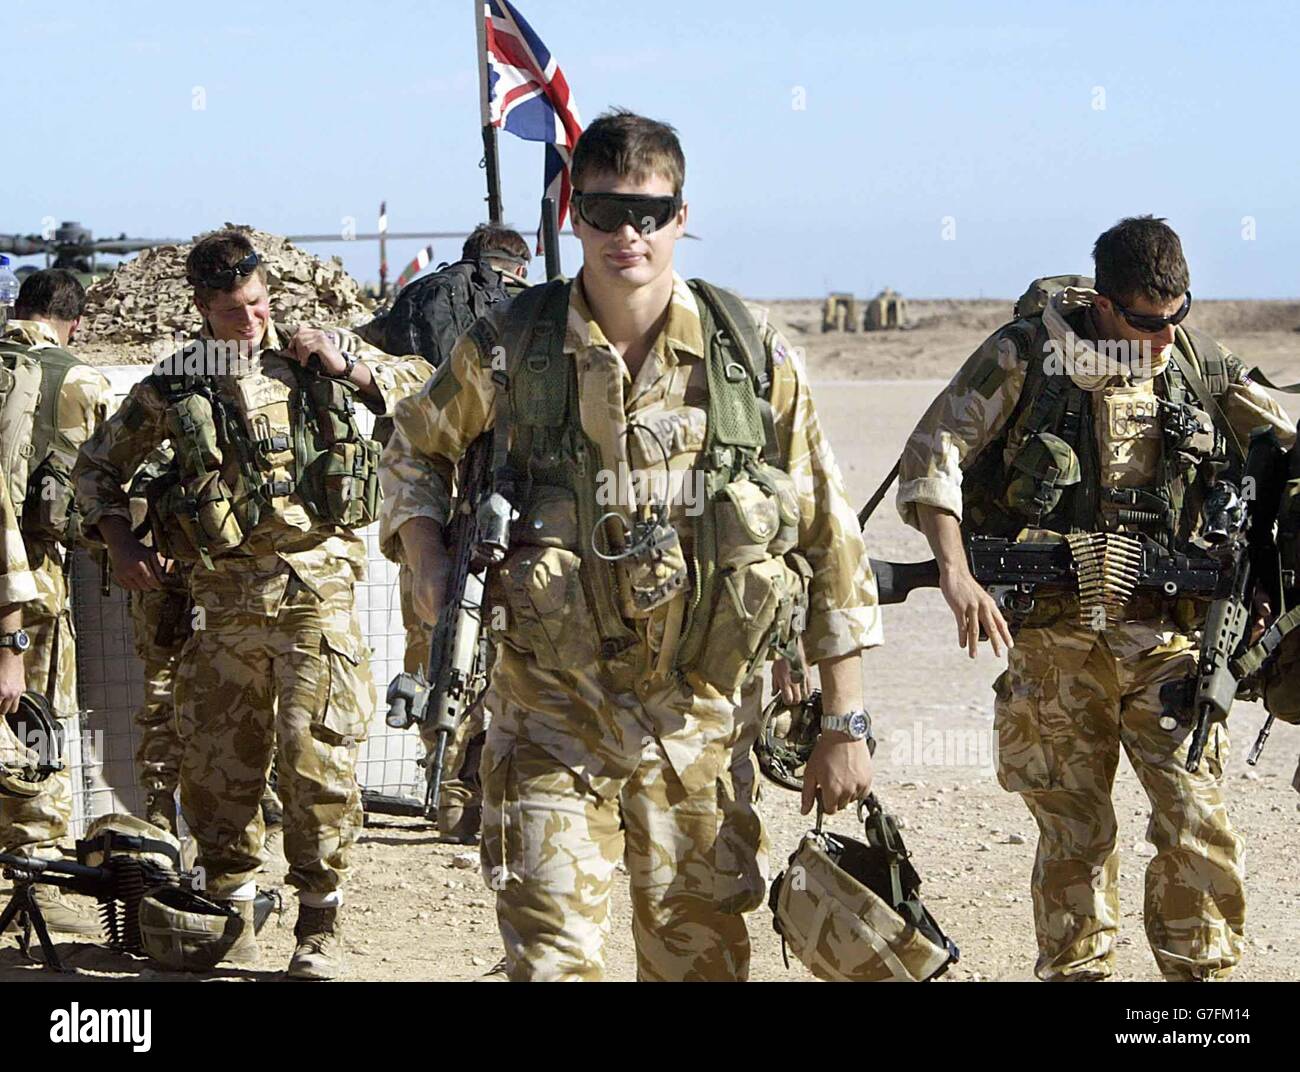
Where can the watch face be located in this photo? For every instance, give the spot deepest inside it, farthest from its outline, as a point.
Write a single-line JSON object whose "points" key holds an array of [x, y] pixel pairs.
{"points": [[858, 724]]}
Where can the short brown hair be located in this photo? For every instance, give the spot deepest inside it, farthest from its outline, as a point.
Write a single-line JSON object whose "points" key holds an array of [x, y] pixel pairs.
{"points": [[488, 240], [630, 146], [1140, 256], [216, 252], [54, 293]]}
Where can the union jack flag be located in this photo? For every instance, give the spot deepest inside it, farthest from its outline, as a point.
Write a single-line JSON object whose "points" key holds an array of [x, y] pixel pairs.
{"points": [[528, 95]]}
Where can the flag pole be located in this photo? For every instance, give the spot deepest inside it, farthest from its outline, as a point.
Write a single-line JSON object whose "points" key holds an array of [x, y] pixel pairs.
{"points": [[490, 162], [551, 236], [383, 249]]}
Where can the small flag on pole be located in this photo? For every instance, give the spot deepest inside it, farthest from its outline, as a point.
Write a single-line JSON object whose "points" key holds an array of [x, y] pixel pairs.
{"points": [[529, 96]]}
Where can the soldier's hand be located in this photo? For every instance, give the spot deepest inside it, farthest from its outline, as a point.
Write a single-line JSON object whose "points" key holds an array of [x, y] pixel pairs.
{"points": [[13, 680], [974, 609], [839, 770], [1261, 615], [136, 568], [324, 344], [792, 692]]}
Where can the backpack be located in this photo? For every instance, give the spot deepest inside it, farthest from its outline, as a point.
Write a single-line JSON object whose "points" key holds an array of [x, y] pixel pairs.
{"points": [[431, 313], [37, 457], [20, 394]]}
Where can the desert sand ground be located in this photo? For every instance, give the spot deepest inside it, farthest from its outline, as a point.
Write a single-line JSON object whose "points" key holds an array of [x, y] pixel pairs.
{"points": [[417, 910]]}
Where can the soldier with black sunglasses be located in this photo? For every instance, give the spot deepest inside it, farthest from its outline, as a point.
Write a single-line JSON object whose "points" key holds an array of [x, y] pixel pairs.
{"points": [[1096, 418]]}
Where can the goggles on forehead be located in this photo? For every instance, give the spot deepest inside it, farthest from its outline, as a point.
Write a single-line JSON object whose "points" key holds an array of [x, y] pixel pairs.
{"points": [[222, 278]]}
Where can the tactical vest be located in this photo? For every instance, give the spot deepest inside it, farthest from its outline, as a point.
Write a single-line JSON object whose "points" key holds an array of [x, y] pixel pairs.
{"points": [[747, 589], [235, 460], [37, 456], [1044, 470]]}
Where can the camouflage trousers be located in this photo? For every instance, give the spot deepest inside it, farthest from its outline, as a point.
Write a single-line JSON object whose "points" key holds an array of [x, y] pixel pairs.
{"points": [[552, 845], [160, 622], [460, 786], [1065, 707], [38, 824], [297, 684]]}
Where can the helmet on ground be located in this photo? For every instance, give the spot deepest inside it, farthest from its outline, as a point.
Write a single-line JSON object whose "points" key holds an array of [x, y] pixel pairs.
{"points": [[851, 911], [186, 932]]}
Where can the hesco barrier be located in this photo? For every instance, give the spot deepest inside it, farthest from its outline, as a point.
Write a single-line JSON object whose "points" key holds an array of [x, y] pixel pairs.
{"points": [[110, 679]]}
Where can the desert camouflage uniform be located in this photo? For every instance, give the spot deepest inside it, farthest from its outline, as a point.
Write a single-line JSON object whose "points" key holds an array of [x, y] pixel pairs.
{"points": [[38, 825], [574, 753], [276, 659], [1072, 697]]}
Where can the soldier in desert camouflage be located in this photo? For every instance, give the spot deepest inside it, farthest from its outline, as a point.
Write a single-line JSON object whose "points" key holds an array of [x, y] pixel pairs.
{"points": [[74, 399], [1016, 442], [619, 669], [272, 478]]}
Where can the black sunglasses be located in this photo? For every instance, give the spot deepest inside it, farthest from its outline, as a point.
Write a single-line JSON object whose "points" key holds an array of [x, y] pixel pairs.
{"points": [[608, 212], [223, 277], [1151, 324]]}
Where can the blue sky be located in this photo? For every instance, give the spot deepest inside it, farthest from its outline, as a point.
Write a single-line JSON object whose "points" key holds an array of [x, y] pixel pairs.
{"points": [[951, 149]]}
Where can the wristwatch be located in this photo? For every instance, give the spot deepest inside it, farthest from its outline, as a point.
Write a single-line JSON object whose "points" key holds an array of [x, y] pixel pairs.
{"points": [[350, 361], [857, 724], [18, 641]]}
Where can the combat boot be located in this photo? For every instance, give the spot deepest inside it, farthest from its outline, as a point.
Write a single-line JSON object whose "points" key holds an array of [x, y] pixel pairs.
{"points": [[459, 822], [63, 914], [245, 952], [319, 954]]}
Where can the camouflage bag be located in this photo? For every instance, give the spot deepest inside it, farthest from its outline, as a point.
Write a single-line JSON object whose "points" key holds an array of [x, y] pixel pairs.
{"points": [[851, 911]]}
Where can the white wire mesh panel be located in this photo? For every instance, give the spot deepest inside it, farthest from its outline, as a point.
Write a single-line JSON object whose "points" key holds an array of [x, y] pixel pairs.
{"points": [[111, 680]]}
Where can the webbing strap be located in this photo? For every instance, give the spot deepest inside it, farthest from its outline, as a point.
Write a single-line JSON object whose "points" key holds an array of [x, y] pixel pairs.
{"points": [[1199, 387], [1255, 657]]}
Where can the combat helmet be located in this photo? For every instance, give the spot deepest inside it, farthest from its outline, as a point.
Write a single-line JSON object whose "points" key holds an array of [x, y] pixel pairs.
{"points": [[184, 931], [851, 911], [24, 769]]}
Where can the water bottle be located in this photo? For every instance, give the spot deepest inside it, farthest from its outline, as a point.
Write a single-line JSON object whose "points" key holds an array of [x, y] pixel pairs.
{"points": [[8, 290]]}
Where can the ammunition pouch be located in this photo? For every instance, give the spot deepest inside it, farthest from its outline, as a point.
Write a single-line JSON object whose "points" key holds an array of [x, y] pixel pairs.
{"points": [[547, 616], [337, 466], [192, 520], [50, 513], [1043, 467]]}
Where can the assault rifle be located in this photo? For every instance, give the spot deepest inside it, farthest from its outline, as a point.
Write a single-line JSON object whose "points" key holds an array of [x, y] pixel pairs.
{"points": [[1251, 552], [1016, 572], [477, 536]]}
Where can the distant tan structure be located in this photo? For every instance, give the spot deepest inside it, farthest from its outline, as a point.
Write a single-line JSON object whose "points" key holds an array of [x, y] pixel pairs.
{"points": [[886, 310], [840, 313]]}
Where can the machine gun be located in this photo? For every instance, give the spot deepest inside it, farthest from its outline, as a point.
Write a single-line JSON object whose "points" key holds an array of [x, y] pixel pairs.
{"points": [[1015, 573], [477, 537], [119, 885]]}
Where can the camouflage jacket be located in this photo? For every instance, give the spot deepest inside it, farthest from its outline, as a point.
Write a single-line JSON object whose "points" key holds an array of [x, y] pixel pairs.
{"points": [[255, 576], [972, 411], [434, 428]]}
